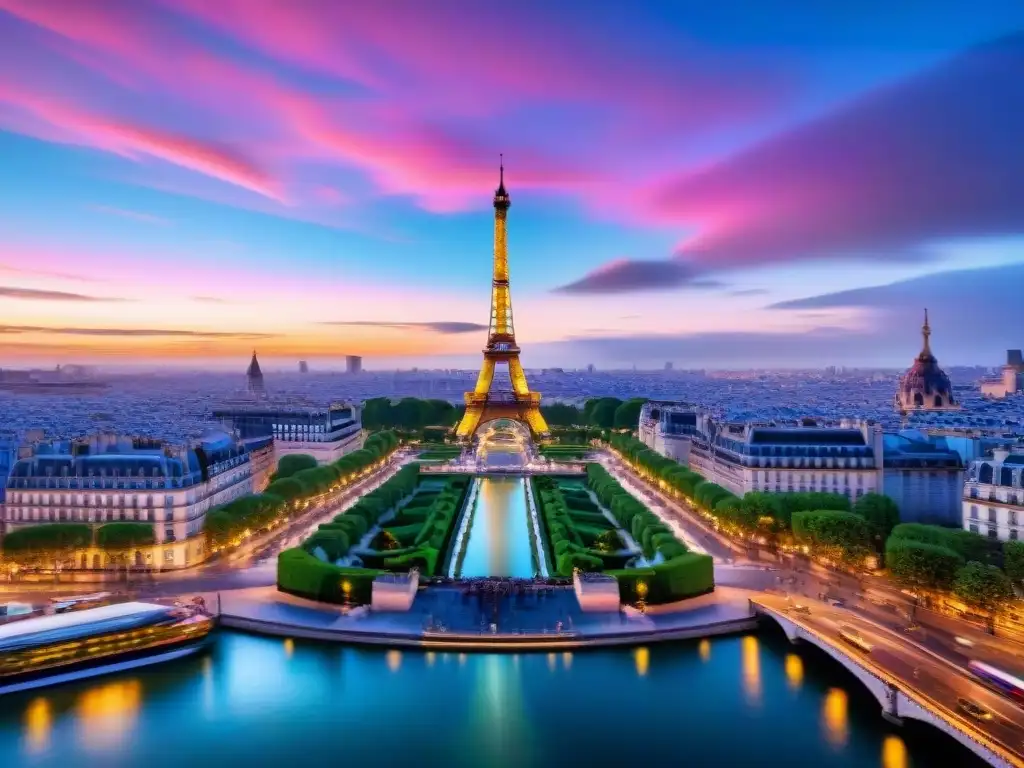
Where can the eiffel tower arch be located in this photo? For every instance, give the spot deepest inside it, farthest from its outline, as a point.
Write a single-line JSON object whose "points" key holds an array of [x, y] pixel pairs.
{"points": [[486, 403]]}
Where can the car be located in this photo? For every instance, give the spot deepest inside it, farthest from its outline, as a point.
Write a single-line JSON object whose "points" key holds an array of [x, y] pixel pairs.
{"points": [[798, 608], [963, 641], [971, 709]]}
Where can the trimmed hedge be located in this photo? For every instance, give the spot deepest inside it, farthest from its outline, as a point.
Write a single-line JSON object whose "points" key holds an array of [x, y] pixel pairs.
{"points": [[300, 573]]}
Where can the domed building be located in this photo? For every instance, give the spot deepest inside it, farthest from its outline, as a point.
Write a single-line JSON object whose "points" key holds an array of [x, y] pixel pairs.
{"points": [[925, 386]]}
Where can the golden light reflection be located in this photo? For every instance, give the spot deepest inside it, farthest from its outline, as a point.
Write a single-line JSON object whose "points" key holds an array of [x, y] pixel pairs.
{"points": [[704, 649], [38, 724], [642, 659], [462, 659], [567, 660], [794, 671], [751, 670], [552, 661], [394, 660], [431, 657], [289, 647], [894, 753], [107, 713], [835, 717]]}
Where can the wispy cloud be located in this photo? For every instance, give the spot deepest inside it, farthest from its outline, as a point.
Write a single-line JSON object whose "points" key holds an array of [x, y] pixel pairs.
{"points": [[147, 218], [209, 299], [29, 272], [749, 292], [32, 294], [632, 275], [436, 326], [129, 332]]}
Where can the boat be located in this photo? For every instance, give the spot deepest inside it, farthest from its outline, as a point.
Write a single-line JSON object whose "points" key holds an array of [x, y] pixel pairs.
{"points": [[80, 644]]}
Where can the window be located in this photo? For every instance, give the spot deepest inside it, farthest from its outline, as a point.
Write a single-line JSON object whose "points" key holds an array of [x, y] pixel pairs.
{"points": [[991, 515], [974, 512], [1013, 534], [992, 532], [168, 557]]}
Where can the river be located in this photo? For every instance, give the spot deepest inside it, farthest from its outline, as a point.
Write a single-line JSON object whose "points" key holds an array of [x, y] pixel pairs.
{"points": [[498, 541], [749, 700]]}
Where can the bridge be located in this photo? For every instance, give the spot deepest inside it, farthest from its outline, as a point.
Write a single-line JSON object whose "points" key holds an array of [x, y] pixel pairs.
{"points": [[908, 681]]}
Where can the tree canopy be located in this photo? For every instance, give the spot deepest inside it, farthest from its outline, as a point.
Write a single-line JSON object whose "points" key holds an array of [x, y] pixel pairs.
{"points": [[881, 513], [981, 586]]}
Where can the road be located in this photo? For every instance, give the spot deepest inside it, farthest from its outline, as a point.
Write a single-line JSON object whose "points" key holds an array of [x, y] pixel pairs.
{"points": [[935, 678], [872, 597]]}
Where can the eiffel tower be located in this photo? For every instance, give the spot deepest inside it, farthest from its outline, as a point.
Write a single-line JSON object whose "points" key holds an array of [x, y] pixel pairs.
{"points": [[484, 403]]}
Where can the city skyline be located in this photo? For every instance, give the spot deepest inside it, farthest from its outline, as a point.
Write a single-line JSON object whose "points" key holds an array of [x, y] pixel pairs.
{"points": [[188, 182]]}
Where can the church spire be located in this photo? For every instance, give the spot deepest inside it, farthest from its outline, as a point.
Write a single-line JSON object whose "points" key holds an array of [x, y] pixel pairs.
{"points": [[926, 332]]}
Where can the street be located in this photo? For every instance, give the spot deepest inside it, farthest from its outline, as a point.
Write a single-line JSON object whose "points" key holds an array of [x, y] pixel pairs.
{"points": [[935, 678]]}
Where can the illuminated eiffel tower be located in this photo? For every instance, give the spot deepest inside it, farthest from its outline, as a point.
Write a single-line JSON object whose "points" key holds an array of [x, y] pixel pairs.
{"points": [[484, 403]]}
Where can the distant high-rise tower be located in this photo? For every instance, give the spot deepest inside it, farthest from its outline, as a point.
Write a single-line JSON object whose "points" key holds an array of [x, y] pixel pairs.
{"points": [[668, 365], [590, 367], [303, 366], [254, 377], [353, 364]]}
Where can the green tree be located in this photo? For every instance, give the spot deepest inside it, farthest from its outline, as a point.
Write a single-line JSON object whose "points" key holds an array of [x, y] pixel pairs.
{"points": [[881, 513], [983, 587], [562, 415], [1013, 560], [627, 415], [292, 463], [838, 535], [601, 412], [919, 565]]}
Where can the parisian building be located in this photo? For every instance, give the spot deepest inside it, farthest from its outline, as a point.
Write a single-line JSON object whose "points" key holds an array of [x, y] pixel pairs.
{"points": [[114, 478], [993, 500]]}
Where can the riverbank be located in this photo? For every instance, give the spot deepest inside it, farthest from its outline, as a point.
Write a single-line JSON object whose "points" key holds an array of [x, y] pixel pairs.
{"points": [[443, 618]]}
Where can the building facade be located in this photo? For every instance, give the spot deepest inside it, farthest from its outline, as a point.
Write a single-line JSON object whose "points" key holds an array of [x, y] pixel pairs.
{"points": [[993, 500], [1011, 378], [327, 434], [921, 473], [353, 364], [924, 476], [110, 478]]}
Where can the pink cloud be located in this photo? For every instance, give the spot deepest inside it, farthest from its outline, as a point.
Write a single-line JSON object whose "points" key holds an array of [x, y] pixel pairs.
{"points": [[132, 140], [147, 218]]}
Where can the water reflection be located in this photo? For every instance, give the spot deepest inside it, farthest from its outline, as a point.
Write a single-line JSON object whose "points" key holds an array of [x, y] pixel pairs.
{"points": [[38, 724], [394, 660], [642, 658], [107, 713], [500, 725], [704, 649], [289, 647], [552, 661], [835, 717], [751, 670], [431, 657], [498, 540], [894, 753], [567, 660], [794, 671]]}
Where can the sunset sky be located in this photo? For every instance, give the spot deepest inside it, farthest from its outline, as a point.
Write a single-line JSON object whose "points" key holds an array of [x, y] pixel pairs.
{"points": [[725, 184]]}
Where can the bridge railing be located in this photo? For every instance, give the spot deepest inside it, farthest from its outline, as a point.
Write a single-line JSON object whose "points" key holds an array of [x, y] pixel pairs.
{"points": [[923, 700]]}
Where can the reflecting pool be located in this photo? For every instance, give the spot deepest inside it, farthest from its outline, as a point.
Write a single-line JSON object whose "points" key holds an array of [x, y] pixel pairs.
{"points": [[498, 543], [252, 701]]}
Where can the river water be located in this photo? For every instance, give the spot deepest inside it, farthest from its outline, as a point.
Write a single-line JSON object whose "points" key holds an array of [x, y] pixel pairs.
{"points": [[251, 701], [498, 542]]}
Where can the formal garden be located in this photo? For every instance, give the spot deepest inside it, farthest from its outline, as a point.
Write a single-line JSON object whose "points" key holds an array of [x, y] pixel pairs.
{"points": [[597, 526], [407, 522]]}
